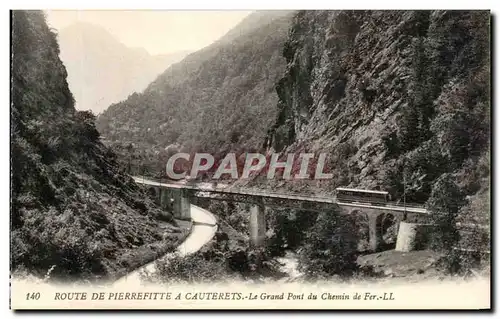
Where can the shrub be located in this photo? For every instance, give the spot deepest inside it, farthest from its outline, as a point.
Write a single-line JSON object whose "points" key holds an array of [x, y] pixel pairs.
{"points": [[194, 268], [330, 247], [444, 204]]}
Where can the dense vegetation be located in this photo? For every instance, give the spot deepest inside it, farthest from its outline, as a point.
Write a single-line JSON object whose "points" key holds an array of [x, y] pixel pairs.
{"points": [[330, 247], [217, 99], [73, 210]]}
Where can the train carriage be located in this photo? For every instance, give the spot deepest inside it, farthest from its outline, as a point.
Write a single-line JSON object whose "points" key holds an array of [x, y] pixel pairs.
{"points": [[353, 195]]}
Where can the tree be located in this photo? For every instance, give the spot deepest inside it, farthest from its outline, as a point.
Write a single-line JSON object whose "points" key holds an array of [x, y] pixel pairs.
{"points": [[188, 269], [414, 128], [289, 229], [330, 247], [444, 204]]}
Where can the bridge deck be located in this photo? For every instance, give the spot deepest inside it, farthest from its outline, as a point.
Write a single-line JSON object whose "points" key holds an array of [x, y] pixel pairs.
{"points": [[208, 188]]}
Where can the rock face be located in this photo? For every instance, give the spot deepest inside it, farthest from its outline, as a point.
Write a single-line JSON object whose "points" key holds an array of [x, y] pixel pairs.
{"points": [[73, 209], [388, 93]]}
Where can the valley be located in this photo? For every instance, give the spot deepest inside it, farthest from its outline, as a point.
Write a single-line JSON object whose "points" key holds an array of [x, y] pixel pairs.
{"points": [[385, 102]]}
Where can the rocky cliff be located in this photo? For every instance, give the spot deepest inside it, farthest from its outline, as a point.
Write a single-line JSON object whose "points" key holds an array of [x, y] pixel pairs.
{"points": [[399, 100], [389, 94]]}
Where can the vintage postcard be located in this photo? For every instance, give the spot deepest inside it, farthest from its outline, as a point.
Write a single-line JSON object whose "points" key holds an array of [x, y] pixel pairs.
{"points": [[250, 159]]}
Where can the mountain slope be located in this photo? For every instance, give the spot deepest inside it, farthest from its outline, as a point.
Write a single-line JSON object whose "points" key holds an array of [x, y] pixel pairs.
{"points": [[72, 208], [392, 96], [101, 70], [374, 87], [221, 97]]}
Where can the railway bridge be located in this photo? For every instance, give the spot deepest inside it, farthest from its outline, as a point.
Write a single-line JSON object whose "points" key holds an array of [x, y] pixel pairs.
{"points": [[178, 197]]}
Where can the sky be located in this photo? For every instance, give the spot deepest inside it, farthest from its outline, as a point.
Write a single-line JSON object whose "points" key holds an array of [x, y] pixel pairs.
{"points": [[158, 32]]}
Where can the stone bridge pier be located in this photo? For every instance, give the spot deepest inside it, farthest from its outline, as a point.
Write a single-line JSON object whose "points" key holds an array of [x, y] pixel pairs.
{"points": [[257, 224], [181, 204], [377, 221], [175, 200], [372, 221], [376, 227]]}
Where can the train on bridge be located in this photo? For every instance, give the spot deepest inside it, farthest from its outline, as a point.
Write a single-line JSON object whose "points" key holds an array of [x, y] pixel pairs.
{"points": [[353, 195], [343, 195], [372, 197]]}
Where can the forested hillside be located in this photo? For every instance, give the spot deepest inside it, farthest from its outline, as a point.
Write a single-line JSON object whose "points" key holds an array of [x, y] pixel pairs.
{"points": [[219, 98], [73, 211], [102, 70]]}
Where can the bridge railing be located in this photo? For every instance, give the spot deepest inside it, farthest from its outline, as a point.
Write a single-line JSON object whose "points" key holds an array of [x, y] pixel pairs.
{"points": [[324, 199], [399, 204]]}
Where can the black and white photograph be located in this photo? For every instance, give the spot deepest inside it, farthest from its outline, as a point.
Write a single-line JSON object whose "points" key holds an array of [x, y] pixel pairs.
{"points": [[259, 159]]}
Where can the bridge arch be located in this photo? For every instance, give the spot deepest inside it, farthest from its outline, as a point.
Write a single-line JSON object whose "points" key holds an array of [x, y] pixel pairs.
{"points": [[371, 225], [388, 229]]}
